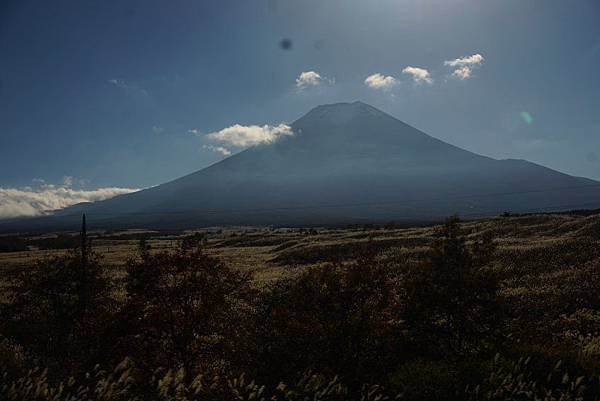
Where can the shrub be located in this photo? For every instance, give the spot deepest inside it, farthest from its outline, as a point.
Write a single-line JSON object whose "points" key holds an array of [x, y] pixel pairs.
{"points": [[58, 308], [184, 308], [337, 318], [451, 303]]}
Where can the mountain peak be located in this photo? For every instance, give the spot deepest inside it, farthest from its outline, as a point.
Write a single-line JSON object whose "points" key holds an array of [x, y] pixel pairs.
{"points": [[341, 106], [340, 113]]}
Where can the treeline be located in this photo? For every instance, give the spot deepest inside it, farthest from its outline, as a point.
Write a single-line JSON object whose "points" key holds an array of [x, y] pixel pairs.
{"points": [[20, 244], [13, 244], [184, 326]]}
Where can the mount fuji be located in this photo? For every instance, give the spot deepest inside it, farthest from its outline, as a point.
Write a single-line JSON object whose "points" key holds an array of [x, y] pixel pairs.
{"points": [[344, 163]]}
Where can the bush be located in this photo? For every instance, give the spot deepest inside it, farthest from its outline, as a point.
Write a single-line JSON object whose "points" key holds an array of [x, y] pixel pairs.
{"points": [[184, 309], [58, 308], [451, 303], [337, 318]]}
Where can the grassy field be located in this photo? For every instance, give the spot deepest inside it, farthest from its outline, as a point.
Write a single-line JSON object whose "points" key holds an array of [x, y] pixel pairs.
{"points": [[546, 305], [539, 257], [528, 247]]}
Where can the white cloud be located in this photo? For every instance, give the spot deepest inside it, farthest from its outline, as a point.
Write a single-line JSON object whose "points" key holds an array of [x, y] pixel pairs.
{"points": [[249, 135], [120, 83], [218, 149], [464, 65], [308, 78], [380, 81], [67, 181], [17, 202], [462, 73], [194, 131], [475, 59], [419, 75], [128, 87]]}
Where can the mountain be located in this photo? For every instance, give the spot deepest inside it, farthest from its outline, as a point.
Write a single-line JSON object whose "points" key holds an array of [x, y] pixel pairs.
{"points": [[345, 163]]}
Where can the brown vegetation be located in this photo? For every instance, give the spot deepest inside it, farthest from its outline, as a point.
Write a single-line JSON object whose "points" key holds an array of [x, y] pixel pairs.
{"points": [[477, 310]]}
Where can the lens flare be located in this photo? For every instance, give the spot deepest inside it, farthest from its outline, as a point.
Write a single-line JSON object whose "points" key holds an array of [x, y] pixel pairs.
{"points": [[525, 116]]}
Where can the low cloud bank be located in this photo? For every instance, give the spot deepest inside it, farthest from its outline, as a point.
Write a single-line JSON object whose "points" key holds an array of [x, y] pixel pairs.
{"points": [[21, 202]]}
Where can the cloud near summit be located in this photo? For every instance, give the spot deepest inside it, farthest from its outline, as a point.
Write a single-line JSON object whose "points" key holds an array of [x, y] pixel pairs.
{"points": [[249, 135], [218, 149]]}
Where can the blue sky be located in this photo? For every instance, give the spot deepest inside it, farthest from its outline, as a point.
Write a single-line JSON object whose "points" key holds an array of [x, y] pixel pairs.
{"points": [[123, 93]]}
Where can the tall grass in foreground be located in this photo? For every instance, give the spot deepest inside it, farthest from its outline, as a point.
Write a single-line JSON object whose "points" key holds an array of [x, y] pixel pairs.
{"points": [[507, 381]]}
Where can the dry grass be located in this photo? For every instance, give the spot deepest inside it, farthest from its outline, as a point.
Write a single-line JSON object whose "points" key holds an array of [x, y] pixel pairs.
{"points": [[528, 245], [548, 267]]}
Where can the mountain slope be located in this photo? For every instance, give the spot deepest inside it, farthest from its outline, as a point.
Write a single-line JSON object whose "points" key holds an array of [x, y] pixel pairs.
{"points": [[346, 162]]}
